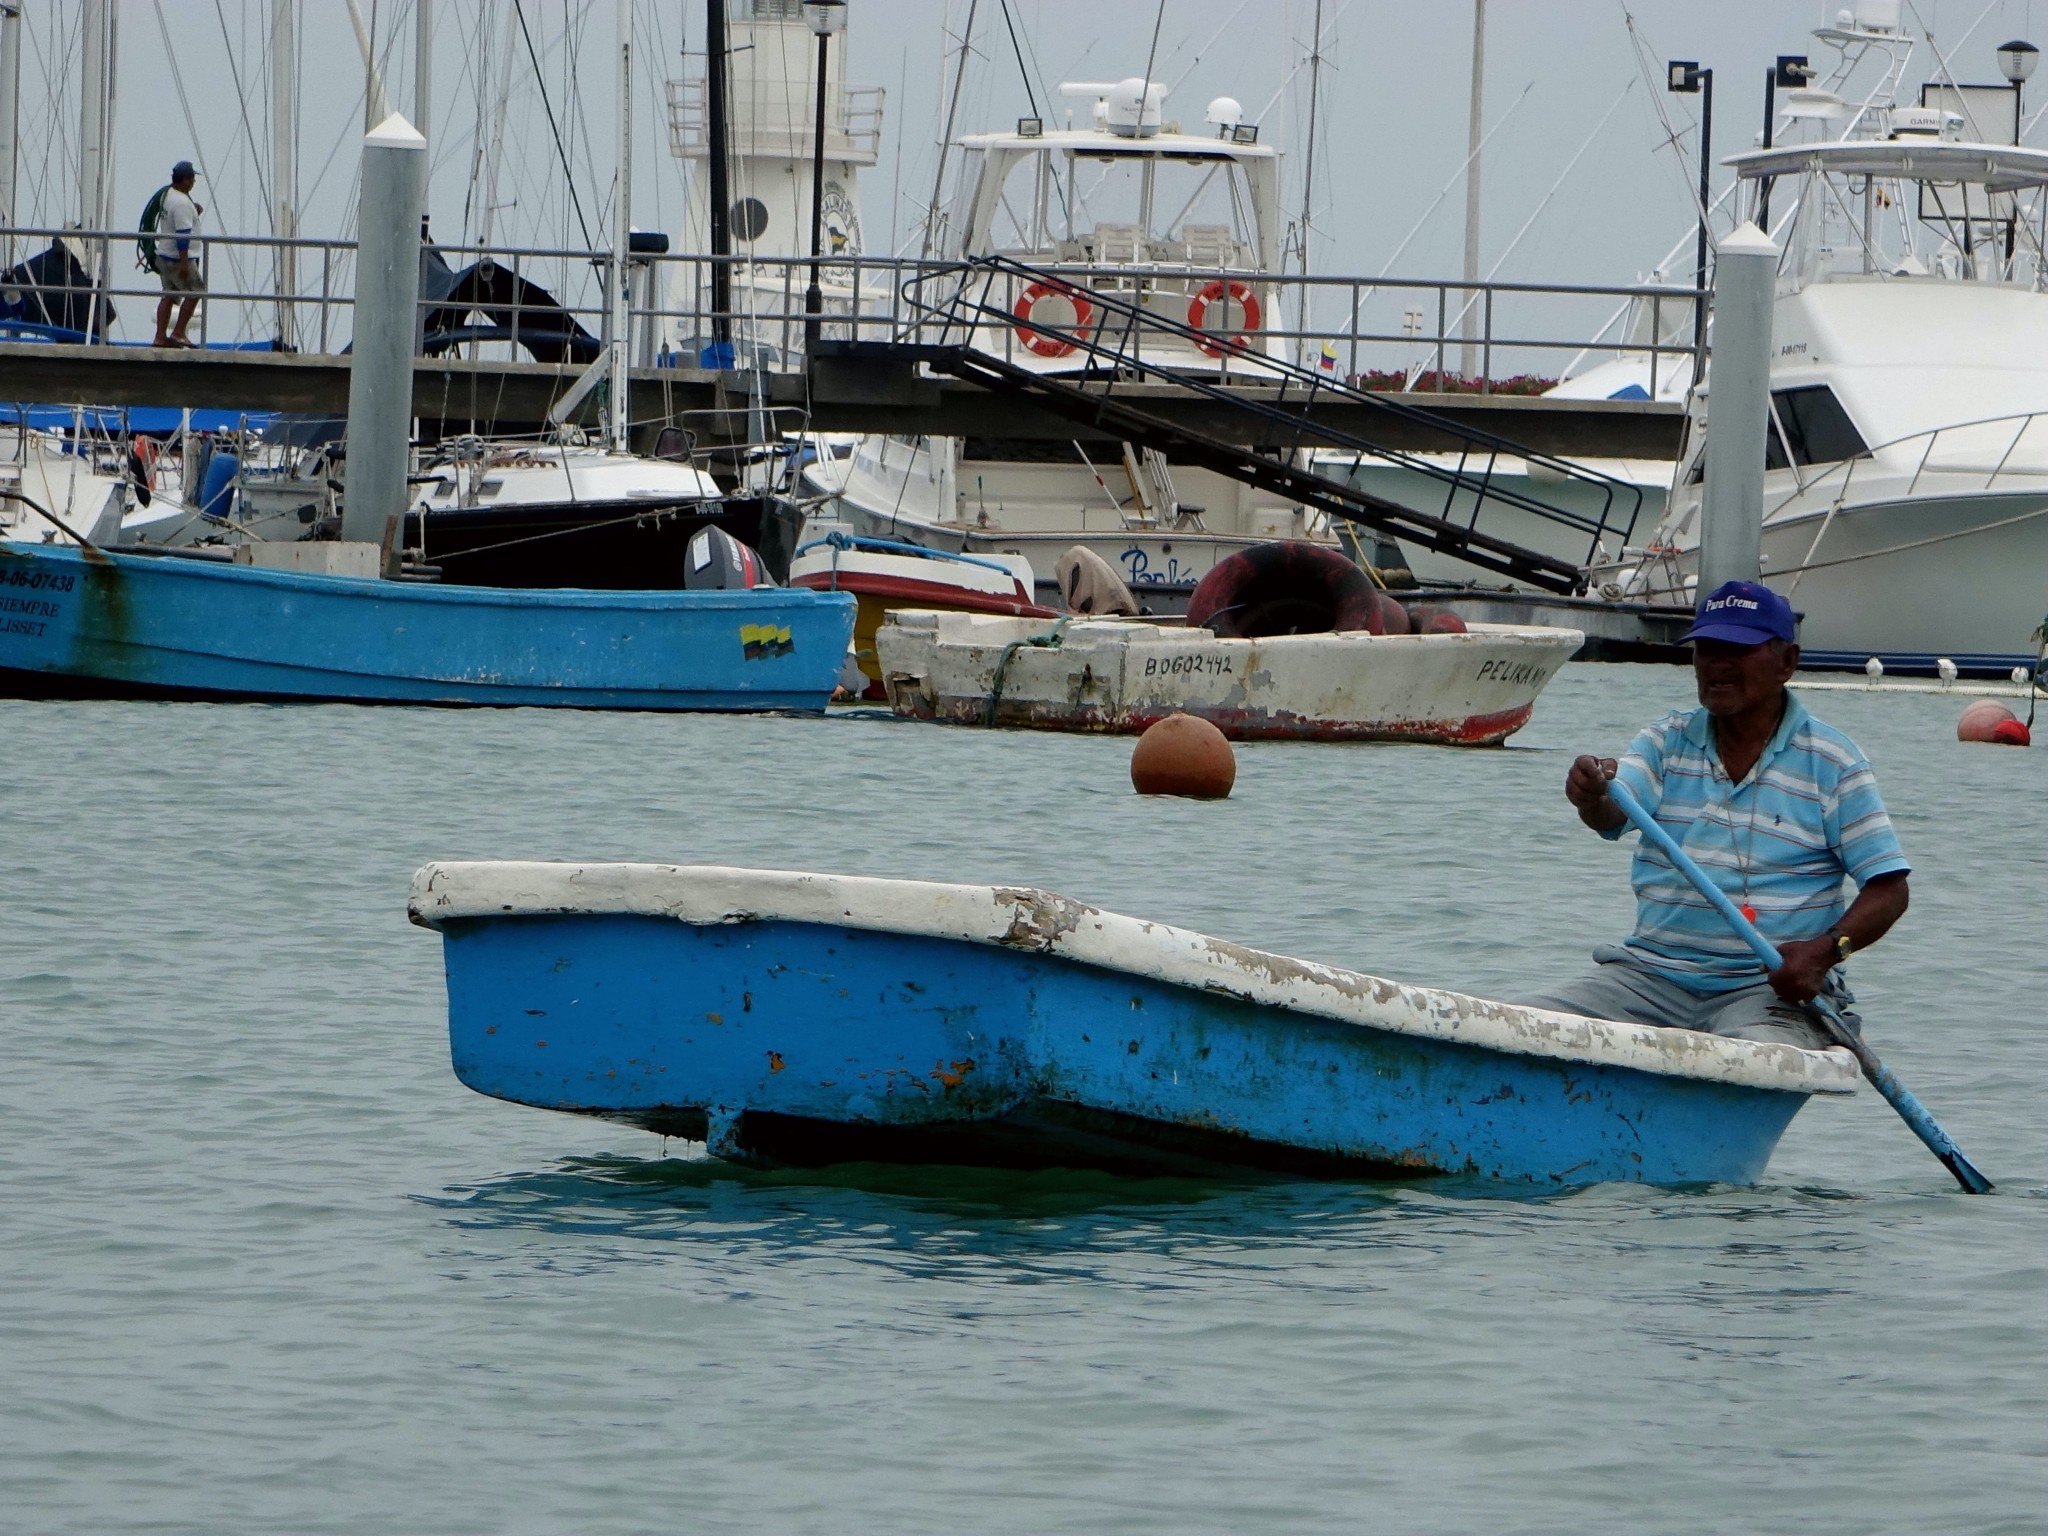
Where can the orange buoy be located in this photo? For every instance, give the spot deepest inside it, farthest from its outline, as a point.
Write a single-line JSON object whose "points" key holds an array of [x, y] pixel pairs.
{"points": [[1183, 755], [1989, 720]]}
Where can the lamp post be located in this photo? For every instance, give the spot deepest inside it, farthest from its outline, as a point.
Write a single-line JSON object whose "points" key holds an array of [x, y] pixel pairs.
{"points": [[826, 17], [2016, 61], [1791, 72], [1686, 78]]}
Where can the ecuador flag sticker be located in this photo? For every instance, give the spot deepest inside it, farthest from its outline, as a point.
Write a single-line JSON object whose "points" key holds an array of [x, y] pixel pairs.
{"points": [[762, 640]]}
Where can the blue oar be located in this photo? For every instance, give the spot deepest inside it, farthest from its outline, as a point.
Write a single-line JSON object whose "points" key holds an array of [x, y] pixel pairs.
{"points": [[1879, 1076]]}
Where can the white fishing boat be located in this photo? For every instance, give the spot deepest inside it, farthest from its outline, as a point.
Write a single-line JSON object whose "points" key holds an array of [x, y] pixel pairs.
{"points": [[1905, 506], [1183, 224], [1120, 675]]}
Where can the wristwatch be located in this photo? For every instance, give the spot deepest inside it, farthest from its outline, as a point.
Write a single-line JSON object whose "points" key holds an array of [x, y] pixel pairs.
{"points": [[1843, 948]]}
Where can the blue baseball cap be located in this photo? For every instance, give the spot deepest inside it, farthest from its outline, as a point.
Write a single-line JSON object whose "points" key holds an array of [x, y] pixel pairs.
{"points": [[1743, 613], [183, 169]]}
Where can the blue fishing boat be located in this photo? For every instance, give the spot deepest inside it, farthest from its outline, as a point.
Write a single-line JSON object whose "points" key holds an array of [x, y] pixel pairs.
{"points": [[808, 1019], [93, 621]]}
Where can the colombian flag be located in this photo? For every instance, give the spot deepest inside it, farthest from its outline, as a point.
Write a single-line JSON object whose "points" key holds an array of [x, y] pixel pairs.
{"points": [[1329, 358]]}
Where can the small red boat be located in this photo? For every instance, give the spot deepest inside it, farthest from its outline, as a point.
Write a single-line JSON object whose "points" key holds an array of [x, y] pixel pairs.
{"points": [[884, 574]]}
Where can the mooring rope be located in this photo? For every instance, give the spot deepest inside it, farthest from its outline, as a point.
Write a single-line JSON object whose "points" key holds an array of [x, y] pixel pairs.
{"points": [[1050, 641]]}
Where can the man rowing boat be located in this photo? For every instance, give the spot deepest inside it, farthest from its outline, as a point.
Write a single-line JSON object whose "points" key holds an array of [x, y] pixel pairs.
{"points": [[1776, 806]]}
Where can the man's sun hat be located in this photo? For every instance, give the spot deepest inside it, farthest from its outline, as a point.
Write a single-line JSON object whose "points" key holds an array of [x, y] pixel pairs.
{"points": [[183, 169], [1743, 613]]}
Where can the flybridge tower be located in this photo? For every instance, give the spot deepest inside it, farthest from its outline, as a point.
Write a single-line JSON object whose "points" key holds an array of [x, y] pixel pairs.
{"points": [[771, 62]]}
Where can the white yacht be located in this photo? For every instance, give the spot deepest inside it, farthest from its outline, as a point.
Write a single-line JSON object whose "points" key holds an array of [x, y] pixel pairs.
{"points": [[1905, 506], [1133, 208]]}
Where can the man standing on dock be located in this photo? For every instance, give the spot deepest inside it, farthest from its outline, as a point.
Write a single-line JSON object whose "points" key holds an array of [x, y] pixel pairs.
{"points": [[177, 258], [1776, 806]]}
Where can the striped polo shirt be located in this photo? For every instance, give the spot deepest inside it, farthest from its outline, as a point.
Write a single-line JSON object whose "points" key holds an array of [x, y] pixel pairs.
{"points": [[1781, 840]]}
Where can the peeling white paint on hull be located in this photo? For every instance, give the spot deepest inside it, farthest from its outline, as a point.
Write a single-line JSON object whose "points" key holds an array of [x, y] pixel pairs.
{"points": [[1119, 676], [813, 1018]]}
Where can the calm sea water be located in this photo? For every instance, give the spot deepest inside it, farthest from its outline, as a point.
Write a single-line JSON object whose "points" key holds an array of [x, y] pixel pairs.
{"points": [[265, 1266]]}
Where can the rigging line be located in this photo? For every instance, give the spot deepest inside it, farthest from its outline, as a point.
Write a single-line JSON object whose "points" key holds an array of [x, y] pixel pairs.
{"points": [[1158, 20], [1561, 176], [1196, 62], [241, 98], [1894, 549], [192, 128], [1674, 137], [1038, 68], [1457, 177], [572, 59], [1029, 97], [1969, 115], [1529, 223], [1288, 79], [561, 154]]}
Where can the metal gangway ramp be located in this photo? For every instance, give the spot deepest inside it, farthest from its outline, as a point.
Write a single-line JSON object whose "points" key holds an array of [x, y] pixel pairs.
{"points": [[1256, 427]]}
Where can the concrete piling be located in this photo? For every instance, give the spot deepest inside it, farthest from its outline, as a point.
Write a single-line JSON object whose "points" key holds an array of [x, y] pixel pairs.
{"points": [[386, 324], [1738, 402]]}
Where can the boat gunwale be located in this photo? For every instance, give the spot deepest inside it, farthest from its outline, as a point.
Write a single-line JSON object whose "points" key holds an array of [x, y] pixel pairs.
{"points": [[1044, 922], [321, 583], [1084, 627]]}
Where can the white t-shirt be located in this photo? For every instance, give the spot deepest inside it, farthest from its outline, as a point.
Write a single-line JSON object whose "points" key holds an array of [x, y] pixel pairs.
{"points": [[179, 218]]}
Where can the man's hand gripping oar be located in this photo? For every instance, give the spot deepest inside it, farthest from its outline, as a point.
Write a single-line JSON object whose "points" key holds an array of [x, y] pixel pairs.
{"points": [[1824, 1012]]}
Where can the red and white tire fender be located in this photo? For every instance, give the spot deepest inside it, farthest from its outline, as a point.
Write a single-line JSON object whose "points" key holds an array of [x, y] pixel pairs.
{"points": [[1038, 341], [1237, 293]]}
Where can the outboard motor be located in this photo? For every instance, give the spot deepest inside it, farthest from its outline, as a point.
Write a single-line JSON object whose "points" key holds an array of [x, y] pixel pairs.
{"points": [[715, 561], [217, 489]]}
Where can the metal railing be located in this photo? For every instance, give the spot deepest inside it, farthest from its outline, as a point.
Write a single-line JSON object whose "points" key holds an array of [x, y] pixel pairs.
{"points": [[1120, 339], [855, 128], [1379, 333], [1991, 443]]}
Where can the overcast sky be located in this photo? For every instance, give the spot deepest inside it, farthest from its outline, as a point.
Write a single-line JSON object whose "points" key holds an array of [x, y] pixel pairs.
{"points": [[1600, 204]]}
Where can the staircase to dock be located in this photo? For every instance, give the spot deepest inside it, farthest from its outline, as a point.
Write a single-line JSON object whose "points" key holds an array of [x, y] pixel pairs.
{"points": [[1262, 424]]}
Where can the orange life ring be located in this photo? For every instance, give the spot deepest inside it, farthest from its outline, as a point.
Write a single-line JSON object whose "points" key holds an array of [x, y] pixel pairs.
{"points": [[1038, 341], [1238, 294]]}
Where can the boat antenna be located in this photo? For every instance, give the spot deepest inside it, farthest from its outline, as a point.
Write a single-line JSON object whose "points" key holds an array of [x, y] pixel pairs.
{"points": [[1308, 172], [931, 213], [1030, 96]]}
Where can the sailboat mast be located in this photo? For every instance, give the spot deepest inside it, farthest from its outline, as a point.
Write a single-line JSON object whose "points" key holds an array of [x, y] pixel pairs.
{"points": [[376, 106], [96, 23], [1469, 361], [717, 158], [620, 358], [92, 113], [284, 160], [423, 69]]}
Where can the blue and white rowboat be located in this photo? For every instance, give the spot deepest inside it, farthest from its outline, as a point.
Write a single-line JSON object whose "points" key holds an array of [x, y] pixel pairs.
{"points": [[809, 1019], [78, 620]]}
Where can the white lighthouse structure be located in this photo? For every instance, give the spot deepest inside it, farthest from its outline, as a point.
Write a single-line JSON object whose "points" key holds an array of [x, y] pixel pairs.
{"points": [[770, 109]]}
